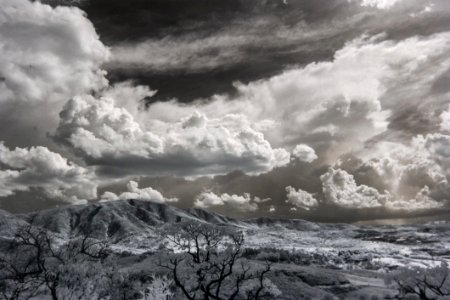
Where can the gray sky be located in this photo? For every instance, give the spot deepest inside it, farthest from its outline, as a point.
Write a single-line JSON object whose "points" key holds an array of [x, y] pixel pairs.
{"points": [[326, 110]]}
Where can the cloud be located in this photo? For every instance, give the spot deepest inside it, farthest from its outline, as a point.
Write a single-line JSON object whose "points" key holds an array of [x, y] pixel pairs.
{"points": [[194, 145], [445, 120], [47, 51], [242, 203], [340, 188], [300, 198], [333, 106], [319, 108], [99, 128], [224, 37], [380, 4], [436, 147], [134, 192], [422, 201], [129, 96], [195, 54], [397, 4], [406, 169], [304, 153], [22, 169], [47, 55], [414, 176]]}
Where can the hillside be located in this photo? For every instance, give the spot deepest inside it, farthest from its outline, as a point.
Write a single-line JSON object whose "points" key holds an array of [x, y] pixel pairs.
{"points": [[111, 220], [343, 260]]}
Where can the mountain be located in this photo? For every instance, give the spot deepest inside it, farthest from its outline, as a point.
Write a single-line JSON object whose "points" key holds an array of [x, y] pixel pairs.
{"points": [[135, 224], [110, 220]]}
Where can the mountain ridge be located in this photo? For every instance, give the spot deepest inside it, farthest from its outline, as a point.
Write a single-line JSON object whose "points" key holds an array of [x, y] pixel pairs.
{"points": [[117, 219]]}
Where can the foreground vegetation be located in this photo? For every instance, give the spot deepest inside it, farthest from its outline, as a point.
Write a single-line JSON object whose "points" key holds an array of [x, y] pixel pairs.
{"points": [[196, 261]]}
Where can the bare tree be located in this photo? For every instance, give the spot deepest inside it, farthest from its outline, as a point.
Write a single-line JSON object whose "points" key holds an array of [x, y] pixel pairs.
{"points": [[37, 260], [206, 262], [423, 283]]}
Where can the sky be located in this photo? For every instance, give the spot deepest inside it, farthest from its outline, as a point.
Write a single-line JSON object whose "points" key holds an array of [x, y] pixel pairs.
{"points": [[326, 110]]}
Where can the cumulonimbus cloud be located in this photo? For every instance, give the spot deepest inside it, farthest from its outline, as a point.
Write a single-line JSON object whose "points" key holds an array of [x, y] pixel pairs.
{"points": [[195, 145], [47, 55]]}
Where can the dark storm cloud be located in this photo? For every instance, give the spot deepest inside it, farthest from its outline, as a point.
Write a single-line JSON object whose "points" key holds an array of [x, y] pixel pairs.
{"points": [[218, 43], [194, 49], [136, 20], [201, 49]]}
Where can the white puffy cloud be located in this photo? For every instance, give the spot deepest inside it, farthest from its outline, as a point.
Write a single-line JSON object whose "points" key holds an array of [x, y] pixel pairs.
{"points": [[195, 145], [134, 192], [415, 173], [380, 4], [435, 147], [445, 120], [47, 51], [243, 203], [99, 128], [38, 167], [304, 153], [405, 169], [47, 55], [340, 188], [300, 198], [131, 97], [396, 4], [422, 201]]}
